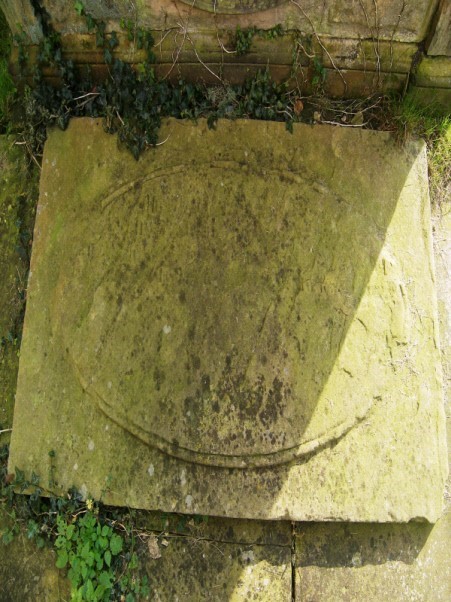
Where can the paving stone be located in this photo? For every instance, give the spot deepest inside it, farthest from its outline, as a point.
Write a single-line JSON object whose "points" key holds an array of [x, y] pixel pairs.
{"points": [[27, 573], [194, 570], [243, 323], [354, 562]]}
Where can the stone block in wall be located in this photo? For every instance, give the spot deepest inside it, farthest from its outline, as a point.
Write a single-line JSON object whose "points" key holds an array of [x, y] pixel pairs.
{"points": [[348, 67], [356, 83], [28, 573], [364, 55], [199, 45], [440, 41], [434, 72], [21, 17]]}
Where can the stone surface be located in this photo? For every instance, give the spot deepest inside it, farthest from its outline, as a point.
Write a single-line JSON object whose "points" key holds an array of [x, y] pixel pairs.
{"points": [[365, 55], [21, 18], [440, 42], [386, 19], [439, 98], [442, 252], [226, 530], [234, 7], [243, 323], [194, 569], [355, 83], [27, 573], [434, 72], [354, 562], [350, 563]]}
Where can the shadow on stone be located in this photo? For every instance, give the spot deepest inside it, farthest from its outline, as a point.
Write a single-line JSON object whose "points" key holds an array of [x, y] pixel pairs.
{"points": [[354, 544]]}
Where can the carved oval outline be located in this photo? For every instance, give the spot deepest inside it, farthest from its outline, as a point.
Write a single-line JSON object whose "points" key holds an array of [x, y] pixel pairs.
{"points": [[234, 7], [237, 461]]}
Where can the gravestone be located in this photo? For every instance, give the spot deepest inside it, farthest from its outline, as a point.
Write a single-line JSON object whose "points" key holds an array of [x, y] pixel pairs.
{"points": [[242, 323]]}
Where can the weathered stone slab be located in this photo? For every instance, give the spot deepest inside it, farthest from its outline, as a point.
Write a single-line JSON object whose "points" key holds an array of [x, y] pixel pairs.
{"points": [[350, 563], [192, 569], [243, 323]]}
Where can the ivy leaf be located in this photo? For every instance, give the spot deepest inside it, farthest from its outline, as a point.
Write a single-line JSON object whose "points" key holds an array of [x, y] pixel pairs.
{"points": [[90, 22], [20, 476], [70, 531], [62, 559], [84, 569], [107, 56], [113, 41], [107, 558], [7, 537], [89, 590], [34, 479], [115, 544], [105, 579]]}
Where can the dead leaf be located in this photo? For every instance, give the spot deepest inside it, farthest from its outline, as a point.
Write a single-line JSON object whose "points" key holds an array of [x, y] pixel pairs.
{"points": [[152, 545], [164, 542], [298, 106]]}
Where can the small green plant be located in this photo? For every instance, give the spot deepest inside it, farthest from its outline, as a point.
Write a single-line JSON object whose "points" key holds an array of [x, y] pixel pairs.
{"points": [[435, 129], [141, 37], [319, 73], [242, 38], [100, 568], [102, 561], [133, 102], [89, 549]]}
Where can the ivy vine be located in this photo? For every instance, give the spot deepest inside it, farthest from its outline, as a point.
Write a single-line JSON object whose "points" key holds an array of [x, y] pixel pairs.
{"points": [[132, 102]]}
